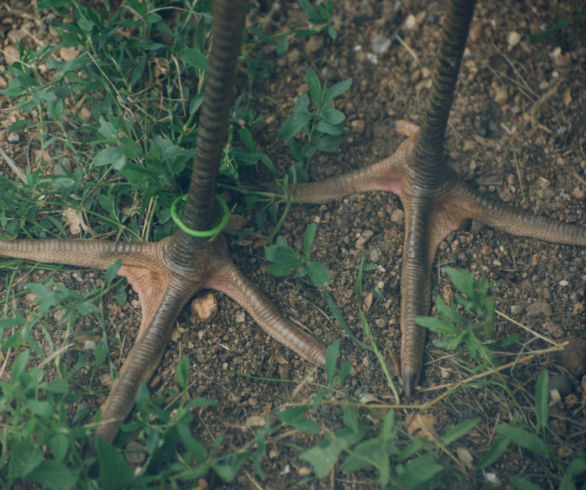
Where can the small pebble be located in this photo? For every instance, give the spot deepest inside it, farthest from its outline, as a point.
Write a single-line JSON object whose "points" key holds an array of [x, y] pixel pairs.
{"points": [[516, 310], [539, 308], [397, 216], [358, 126], [561, 383], [135, 453], [513, 38], [13, 138], [205, 307], [380, 44]]}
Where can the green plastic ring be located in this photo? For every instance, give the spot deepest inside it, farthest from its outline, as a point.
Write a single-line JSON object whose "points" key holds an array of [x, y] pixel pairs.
{"points": [[197, 233]]}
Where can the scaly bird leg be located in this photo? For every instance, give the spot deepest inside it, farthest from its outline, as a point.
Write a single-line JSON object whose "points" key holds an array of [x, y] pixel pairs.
{"points": [[166, 274], [435, 200], [163, 289]]}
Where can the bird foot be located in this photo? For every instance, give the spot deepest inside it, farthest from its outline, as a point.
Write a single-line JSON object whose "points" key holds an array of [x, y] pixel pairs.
{"points": [[431, 213], [163, 288]]}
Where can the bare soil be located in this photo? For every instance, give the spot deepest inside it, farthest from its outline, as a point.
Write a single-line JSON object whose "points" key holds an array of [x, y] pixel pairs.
{"points": [[516, 130]]}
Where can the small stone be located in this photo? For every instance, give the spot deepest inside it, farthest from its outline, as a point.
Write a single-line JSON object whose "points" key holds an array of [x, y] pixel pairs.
{"points": [[13, 138], [67, 54], [89, 345], [313, 44], [374, 255], [135, 453], [578, 193], [563, 283], [410, 23], [380, 44], [255, 421], [364, 237], [475, 32], [516, 309], [567, 97], [561, 383], [30, 298], [539, 308], [501, 95], [205, 307], [358, 126], [513, 38], [397, 216], [372, 58], [573, 357]]}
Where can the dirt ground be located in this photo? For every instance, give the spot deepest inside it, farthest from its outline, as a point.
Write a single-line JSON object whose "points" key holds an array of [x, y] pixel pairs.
{"points": [[516, 130]]}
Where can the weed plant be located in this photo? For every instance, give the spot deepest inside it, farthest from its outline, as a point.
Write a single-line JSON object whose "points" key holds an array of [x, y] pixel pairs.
{"points": [[113, 103]]}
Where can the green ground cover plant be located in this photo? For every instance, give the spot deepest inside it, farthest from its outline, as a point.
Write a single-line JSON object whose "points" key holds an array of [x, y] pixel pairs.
{"points": [[118, 166]]}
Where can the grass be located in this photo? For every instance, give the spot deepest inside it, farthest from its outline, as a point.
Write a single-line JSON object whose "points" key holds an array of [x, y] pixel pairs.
{"points": [[115, 119]]}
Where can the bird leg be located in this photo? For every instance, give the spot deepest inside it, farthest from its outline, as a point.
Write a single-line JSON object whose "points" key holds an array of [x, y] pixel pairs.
{"points": [[436, 201], [166, 274]]}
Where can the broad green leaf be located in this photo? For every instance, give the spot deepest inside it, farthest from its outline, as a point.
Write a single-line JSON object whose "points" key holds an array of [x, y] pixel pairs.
{"points": [[87, 307], [279, 253], [574, 469], [333, 116], [19, 364], [459, 430], [350, 418], [434, 324], [314, 87], [420, 471], [228, 471], [522, 484], [308, 9], [114, 470], [57, 386], [495, 452], [308, 238], [331, 360], [107, 131], [293, 124], [293, 417], [41, 408], [110, 156], [112, 270], [332, 32], [325, 455], [196, 449], [525, 439], [53, 474], [195, 103], [330, 143], [194, 58], [330, 129], [318, 273], [24, 456], [59, 444], [246, 137], [281, 269], [541, 396], [291, 414], [182, 372], [336, 90], [462, 279]]}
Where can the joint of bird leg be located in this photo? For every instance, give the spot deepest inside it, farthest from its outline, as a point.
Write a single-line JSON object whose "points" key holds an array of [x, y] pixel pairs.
{"points": [[212, 232]]}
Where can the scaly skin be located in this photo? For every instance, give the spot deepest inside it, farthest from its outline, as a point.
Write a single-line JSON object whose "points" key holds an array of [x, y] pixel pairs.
{"points": [[435, 200], [168, 273]]}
